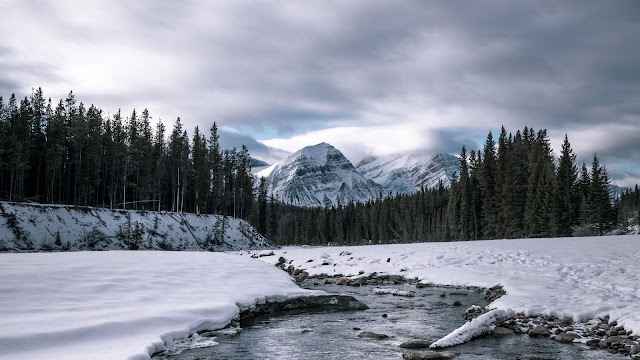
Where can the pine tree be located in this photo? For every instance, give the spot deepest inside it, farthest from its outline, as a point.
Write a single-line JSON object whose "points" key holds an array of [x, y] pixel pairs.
{"points": [[536, 220], [201, 171], [600, 210], [465, 192], [514, 187], [215, 163], [566, 198], [488, 184], [262, 206]]}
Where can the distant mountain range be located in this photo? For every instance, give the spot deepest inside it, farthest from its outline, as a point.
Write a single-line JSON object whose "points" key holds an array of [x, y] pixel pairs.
{"points": [[320, 175], [406, 174]]}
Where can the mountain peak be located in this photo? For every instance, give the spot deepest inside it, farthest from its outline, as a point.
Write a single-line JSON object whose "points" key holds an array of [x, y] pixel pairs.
{"points": [[318, 175], [407, 173]]}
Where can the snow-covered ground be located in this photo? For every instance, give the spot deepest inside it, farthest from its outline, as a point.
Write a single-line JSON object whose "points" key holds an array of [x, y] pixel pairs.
{"points": [[124, 304], [581, 278], [33, 227]]}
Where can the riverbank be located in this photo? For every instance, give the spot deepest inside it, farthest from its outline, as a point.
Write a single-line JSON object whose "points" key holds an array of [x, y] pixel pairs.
{"points": [[578, 279], [601, 333]]}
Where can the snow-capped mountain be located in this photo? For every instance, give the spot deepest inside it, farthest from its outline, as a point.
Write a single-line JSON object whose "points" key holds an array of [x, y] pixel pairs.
{"points": [[318, 175], [406, 173]]}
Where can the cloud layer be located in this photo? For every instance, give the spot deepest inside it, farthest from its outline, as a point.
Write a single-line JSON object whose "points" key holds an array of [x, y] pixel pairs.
{"points": [[367, 76]]}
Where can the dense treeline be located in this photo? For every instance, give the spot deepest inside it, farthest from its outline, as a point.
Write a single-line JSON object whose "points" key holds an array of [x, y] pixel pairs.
{"points": [[70, 154], [66, 153], [515, 188]]}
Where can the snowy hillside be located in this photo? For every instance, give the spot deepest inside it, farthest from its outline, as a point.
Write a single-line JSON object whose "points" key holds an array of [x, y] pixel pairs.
{"points": [[580, 278], [116, 305], [39, 227], [318, 175], [405, 174]]}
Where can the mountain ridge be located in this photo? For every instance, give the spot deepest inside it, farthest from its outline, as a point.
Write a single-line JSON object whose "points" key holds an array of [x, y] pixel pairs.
{"points": [[407, 173], [318, 175]]}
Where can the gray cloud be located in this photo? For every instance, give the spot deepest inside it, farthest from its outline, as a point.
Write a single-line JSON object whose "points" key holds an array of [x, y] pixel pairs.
{"points": [[230, 140], [283, 68]]}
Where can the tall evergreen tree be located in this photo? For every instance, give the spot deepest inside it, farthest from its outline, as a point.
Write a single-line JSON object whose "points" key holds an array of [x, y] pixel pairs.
{"points": [[200, 171], [566, 198], [488, 181]]}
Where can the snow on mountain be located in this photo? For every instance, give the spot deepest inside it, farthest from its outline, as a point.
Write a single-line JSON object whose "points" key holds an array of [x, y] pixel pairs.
{"points": [[406, 173], [25, 227], [318, 175]]}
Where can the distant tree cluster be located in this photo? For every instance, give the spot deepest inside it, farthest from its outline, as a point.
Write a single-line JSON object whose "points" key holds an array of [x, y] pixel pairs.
{"points": [[70, 154], [629, 207], [419, 217], [515, 188]]}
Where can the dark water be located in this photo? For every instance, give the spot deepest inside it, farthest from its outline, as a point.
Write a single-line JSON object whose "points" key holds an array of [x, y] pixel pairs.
{"points": [[426, 316]]}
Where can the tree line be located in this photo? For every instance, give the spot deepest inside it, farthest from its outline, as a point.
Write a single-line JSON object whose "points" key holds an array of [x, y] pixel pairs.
{"points": [[74, 155], [510, 189], [66, 153]]}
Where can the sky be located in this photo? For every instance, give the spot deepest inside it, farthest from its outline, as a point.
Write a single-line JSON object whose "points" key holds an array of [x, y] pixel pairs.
{"points": [[369, 77]]}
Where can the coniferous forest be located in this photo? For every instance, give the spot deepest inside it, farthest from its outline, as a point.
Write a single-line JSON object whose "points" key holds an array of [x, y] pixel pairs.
{"points": [[514, 188], [66, 153]]}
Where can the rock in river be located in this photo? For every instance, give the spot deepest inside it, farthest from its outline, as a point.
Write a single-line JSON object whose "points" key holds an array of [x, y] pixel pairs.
{"points": [[416, 344], [430, 355], [372, 335]]}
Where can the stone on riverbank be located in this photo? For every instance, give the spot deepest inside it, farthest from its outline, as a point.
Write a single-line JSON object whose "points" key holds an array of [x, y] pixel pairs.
{"points": [[539, 331], [566, 337]]}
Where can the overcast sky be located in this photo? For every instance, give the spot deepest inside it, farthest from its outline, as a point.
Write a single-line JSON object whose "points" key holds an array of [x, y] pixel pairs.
{"points": [[369, 77]]}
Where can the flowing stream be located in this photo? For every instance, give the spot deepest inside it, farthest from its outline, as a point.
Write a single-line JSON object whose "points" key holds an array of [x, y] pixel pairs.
{"points": [[334, 335]]}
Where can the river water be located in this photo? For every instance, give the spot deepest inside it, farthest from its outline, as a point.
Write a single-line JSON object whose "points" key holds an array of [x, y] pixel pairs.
{"points": [[333, 335]]}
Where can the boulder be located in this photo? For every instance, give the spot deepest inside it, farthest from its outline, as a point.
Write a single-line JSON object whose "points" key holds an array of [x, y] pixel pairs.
{"points": [[372, 335], [539, 331], [593, 342], [416, 344], [566, 337], [500, 331]]}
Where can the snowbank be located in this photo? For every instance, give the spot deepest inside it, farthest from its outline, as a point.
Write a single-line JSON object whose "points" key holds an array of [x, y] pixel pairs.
{"points": [[26, 227], [125, 304], [581, 278]]}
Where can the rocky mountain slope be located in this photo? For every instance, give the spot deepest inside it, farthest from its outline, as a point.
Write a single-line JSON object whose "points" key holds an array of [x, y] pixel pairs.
{"points": [[405, 174], [25, 227], [318, 175]]}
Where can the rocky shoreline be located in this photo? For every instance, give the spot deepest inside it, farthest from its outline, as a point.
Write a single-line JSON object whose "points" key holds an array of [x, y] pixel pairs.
{"points": [[600, 333]]}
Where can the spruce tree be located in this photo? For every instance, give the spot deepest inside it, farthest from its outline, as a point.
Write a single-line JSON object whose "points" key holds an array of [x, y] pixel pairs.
{"points": [[262, 206], [566, 200], [488, 184]]}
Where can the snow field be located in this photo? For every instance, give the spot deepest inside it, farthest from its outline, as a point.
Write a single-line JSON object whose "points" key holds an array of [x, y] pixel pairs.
{"points": [[125, 304], [580, 278]]}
